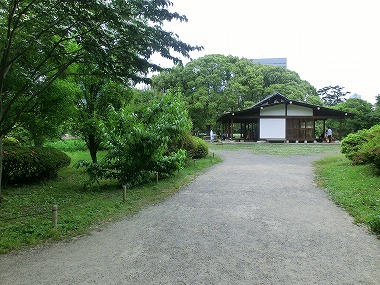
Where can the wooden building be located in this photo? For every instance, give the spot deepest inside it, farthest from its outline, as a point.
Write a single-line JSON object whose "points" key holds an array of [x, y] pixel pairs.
{"points": [[277, 118]]}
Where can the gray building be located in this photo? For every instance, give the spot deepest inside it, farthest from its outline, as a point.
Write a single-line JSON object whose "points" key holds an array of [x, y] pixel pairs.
{"points": [[271, 61]]}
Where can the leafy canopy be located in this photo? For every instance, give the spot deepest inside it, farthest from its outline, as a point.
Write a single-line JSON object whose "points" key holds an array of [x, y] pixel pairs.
{"points": [[40, 39], [215, 84]]}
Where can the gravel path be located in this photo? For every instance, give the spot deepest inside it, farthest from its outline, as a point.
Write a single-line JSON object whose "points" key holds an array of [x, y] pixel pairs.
{"points": [[253, 219]]}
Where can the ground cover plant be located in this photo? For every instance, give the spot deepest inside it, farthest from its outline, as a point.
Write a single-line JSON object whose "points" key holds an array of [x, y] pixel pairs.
{"points": [[26, 213]]}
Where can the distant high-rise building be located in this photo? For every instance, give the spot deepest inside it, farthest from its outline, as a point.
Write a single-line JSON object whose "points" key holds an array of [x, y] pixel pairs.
{"points": [[272, 61], [356, 96]]}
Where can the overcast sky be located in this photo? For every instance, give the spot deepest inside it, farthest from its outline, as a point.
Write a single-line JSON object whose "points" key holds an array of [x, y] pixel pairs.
{"points": [[327, 42]]}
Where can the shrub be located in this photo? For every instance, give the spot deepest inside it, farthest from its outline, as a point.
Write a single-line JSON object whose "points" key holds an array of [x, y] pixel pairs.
{"points": [[138, 140], [195, 147], [201, 148], [167, 165], [351, 144], [363, 147], [369, 152], [27, 164]]}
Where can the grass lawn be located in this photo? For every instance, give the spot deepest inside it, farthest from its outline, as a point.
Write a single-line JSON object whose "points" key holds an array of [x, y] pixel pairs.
{"points": [[356, 188], [281, 148], [26, 212]]}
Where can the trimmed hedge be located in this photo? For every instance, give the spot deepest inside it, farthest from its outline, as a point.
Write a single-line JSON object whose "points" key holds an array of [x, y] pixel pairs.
{"points": [[29, 164], [195, 147], [201, 148]]}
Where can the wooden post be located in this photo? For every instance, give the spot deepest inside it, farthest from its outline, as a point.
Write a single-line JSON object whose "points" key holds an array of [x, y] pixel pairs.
{"points": [[55, 216], [124, 193], [156, 177], [195, 163]]}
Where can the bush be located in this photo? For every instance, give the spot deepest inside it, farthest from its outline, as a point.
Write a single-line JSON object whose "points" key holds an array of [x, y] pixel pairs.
{"points": [[363, 147], [138, 139], [201, 148], [369, 152], [167, 165], [195, 147], [352, 143], [27, 164]]}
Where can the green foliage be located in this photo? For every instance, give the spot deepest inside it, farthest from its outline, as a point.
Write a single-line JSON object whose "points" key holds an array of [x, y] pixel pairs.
{"points": [[51, 112], [26, 164], [352, 143], [353, 187], [200, 149], [195, 147], [25, 216], [215, 84], [369, 152], [138, 141], [40, 40], [93, 100], [364, 147], [332, 95], [363, 118], [68, 145], [282, 149]]}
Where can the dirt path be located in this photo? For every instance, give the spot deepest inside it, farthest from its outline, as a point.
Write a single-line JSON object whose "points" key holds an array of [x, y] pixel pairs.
{"points": [[252, 219]]}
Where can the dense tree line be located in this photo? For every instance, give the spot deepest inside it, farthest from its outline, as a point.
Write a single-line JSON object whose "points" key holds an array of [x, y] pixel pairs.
{"points": [[215, 84]]}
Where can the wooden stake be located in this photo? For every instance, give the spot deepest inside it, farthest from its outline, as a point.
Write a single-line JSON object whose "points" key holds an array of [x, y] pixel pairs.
{"points": [[55, 216], [124, 193]]}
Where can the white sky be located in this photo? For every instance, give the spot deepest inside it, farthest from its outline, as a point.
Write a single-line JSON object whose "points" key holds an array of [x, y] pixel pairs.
{"points": [[327, 42]]}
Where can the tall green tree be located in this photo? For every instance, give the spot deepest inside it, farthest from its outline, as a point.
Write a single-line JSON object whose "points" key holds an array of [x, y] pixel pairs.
{"points": [[40, 39], [215, 84], [332, 95], [375, 115], [93, 102], [50, 116], [363, 118]]}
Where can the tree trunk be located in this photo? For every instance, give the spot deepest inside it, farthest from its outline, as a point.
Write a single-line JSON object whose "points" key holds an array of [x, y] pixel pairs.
{"points": [[93, 147]]}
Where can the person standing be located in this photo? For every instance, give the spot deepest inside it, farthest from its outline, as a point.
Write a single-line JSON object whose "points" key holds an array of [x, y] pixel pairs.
{"points": [[211, 136], [329, 134]]}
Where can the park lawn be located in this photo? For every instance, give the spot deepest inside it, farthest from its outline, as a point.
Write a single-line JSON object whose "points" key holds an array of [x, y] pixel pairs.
{"points": [[355, 188], [283, 149], [26, 212]]}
